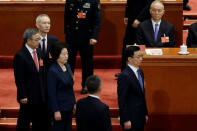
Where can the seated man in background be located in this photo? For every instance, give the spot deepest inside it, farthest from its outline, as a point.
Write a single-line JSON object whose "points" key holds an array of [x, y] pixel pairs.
{"points": [[192, 35], [91, 113], [156, 32]]}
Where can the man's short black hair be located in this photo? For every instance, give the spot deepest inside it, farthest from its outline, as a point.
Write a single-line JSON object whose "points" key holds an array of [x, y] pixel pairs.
{"points": [[56, 50], [93, 84], [129, 52]]}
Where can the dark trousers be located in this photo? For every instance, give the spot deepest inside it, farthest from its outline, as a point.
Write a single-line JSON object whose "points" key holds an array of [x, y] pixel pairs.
{"points": [[66, 122], [86, 54], [129, 39], [35, 114], [185, 2], [135, 129]]}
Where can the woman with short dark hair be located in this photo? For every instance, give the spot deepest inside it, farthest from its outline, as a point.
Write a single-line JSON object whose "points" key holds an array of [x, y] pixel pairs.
{"points": [[60, 89]]}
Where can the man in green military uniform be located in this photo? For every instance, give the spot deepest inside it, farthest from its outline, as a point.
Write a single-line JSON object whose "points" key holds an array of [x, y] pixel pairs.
{"points": [[82, 21]]}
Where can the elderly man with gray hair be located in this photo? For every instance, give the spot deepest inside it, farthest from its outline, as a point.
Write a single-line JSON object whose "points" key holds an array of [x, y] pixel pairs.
{"points": [[156, 32], [28, 83], [43, 23]]}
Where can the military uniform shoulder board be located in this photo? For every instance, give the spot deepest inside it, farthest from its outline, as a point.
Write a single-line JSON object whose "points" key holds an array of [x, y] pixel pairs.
{"points": [[86, 5]]}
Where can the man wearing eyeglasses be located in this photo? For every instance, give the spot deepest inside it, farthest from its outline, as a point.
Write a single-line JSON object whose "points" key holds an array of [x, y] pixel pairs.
{"points": [[131, 93], [156, 32]]}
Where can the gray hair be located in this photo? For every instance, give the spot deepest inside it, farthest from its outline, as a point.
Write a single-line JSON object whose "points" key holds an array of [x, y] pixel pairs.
{"points": [[39, 17], [29, 33], [157, 2]]}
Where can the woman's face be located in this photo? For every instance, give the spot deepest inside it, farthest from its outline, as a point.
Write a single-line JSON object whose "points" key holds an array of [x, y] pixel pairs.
{"points": [[63, 58]]}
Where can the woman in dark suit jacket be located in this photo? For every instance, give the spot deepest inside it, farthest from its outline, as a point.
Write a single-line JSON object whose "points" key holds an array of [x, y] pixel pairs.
{"points": [[60, 89]]}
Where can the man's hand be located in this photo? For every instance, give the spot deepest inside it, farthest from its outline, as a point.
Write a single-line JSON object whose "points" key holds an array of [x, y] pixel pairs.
{"points": [[23, 101], [57, 116], [146, 117], [125, 21], [93, 41], [127, 125], [136, 23]]}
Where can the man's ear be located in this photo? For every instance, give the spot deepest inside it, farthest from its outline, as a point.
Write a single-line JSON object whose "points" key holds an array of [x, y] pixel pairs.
{"points": [[37, 25], [129, 58], [163, 12]]}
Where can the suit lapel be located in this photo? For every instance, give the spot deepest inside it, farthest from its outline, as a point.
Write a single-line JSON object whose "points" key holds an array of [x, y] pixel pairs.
{"points": [[63, 75], [133, 78], [142, 75], [48, 43], [30, 59], [151, 31], [160, 32]]}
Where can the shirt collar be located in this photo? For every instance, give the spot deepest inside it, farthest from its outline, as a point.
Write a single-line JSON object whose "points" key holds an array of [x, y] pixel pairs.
{"points": [[43, 37], [29, 48], [93, 96], [133, 68], [153, 22]]}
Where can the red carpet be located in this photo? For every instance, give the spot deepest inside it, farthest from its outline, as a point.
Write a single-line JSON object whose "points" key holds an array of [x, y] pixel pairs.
{"points": [[108, 94]]}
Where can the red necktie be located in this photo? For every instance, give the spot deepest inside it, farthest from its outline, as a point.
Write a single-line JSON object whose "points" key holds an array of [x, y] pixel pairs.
{"points": [[35, 59]]}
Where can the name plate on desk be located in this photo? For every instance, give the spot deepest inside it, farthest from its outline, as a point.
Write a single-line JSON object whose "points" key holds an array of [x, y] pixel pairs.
{"points": [[154, 51]]}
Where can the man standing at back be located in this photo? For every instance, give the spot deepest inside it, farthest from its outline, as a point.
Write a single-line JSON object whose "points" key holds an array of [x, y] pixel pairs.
{"points": [[91, 113], [43, 23], [82, 25], [131, 93]]}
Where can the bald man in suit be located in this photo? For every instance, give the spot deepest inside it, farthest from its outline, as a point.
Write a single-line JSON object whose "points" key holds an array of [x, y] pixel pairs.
{"points": [[156, 32]]}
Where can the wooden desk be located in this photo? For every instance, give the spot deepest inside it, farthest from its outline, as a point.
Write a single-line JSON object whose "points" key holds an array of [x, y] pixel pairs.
{"points": [[171, 90], [171, 82], [17, 16]]}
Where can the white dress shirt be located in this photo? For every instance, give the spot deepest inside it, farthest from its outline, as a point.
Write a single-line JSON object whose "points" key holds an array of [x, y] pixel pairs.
{"points": [[156, 23], [134, 69], [41, 42], [94, 96], [31, 52]]}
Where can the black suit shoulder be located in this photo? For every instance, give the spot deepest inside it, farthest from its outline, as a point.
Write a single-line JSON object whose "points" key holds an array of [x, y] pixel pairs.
{"points": [[148, 22], [92, 114], [92, 101], [52, 37], [167, 24], [192, 35]]}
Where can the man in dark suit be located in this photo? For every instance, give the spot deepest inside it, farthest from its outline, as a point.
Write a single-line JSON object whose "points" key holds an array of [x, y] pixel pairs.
{"points": [[156, 32], [131, 93], [28, 82], [186, 6], [91, 113], [192, 35], [136, 12], [81, 26], [43, 24]]}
